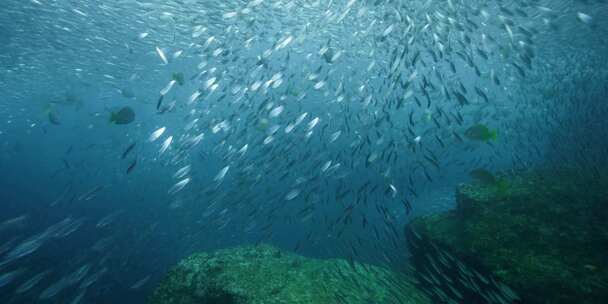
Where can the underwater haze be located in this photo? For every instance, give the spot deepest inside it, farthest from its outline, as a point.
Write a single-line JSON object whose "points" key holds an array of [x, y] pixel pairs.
{"points": [[135, 133]]}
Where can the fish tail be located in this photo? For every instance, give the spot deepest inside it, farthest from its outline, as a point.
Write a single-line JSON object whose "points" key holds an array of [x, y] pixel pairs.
{"points": [[493, 134]]}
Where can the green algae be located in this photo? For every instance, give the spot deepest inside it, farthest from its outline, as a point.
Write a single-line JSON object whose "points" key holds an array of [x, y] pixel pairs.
{"points": [[264, 274], [541, 233]]}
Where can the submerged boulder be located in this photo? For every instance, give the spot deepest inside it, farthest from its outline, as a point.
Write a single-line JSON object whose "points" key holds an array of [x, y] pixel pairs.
{"points": [[264, 274], [543, 234]]}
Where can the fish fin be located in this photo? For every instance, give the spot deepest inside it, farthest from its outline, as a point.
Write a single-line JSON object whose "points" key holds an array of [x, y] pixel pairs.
{"points": [[493, 134]]}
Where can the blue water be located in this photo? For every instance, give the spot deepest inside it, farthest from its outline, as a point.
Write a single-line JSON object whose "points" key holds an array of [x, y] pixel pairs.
{"points": [[328, 138]]}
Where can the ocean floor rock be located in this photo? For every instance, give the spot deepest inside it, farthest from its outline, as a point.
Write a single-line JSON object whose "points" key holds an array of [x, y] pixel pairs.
{"points": [[541, 233], [264, 274]]}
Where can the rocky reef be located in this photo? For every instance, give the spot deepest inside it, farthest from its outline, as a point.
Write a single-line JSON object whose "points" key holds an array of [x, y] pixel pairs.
{"points": [[264, 274], [542, 233]]}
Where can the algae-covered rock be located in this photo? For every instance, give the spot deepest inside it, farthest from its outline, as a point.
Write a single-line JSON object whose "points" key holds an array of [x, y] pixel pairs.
{"points": [[264, 274], [544, 234]]}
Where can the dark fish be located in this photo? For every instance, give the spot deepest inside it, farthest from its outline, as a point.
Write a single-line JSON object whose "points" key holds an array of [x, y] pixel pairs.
{"points": [[129, 149], [482, 54], [412, 123], [167, 107], [159, 102], [482, 94], [408, 207], [440, 141], [519, 70], [65, 162], [461, 99], [328, 55], [124, 116], [132, 166], [458, 137]]}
